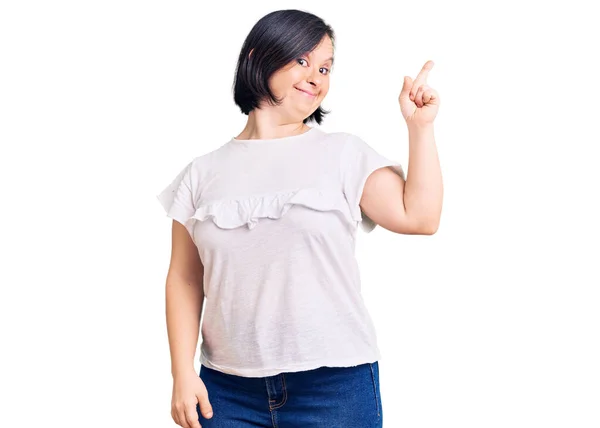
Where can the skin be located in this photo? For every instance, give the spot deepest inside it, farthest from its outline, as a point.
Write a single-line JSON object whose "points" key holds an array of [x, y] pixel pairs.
{"points": [[311, 73], [405, 207], [184, 291], [408, 207], [414, 206]]}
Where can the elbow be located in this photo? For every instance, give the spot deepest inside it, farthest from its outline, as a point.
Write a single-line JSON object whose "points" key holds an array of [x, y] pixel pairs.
{"points": [[415, 225], [423, 222], [430, 227], [430, 231]]}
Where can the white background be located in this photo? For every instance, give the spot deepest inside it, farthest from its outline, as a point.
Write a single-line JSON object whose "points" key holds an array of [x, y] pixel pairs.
{"points": [[491, 322]]}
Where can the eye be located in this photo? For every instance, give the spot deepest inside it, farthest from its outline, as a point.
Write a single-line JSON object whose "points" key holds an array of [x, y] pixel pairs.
{"points": [[322, 68]]}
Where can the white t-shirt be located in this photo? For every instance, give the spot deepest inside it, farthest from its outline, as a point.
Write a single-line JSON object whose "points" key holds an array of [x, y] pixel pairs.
{"points": [[275, 224]]}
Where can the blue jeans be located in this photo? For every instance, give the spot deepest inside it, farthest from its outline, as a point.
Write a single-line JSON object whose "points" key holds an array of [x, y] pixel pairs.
{"points": [[326, 397]]}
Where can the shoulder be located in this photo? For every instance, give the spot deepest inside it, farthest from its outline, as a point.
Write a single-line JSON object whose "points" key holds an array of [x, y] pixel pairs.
{"points": [[195, 170], [346, 138], [208, 159], [339, 136], [351, 145], [343, 140]]}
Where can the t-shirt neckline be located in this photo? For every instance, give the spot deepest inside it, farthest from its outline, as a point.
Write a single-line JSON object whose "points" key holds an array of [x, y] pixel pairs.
{"points": [[274, 140]]}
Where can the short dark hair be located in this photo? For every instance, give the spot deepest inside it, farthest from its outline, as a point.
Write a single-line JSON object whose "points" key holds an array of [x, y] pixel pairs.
{"points": [[277, 39]]}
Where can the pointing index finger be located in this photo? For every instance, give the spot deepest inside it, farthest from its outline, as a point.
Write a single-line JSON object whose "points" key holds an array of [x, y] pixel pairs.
{"points": [[422, 76]]}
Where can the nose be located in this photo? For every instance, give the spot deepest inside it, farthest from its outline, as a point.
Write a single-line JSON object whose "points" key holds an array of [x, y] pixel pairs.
{"points": [[315, 78], [315, 81]]}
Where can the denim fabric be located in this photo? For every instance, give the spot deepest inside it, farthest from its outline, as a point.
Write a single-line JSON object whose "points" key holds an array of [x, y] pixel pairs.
{"points": [[326, 397]]}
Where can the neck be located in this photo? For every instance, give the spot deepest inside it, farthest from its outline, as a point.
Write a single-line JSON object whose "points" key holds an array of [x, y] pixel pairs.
{"points": [[263, 127]]}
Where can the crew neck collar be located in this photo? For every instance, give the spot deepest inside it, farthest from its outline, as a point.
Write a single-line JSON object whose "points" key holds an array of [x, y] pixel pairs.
{"points": [[274, 140]]}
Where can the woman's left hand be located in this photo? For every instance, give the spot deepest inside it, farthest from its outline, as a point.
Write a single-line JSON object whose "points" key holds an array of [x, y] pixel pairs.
{"points": [[418, 102]]}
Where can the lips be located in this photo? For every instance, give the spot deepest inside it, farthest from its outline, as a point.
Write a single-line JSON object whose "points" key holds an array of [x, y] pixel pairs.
{"points": [[306, 92]]}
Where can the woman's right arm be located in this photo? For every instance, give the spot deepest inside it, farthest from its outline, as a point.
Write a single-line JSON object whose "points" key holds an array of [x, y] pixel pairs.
{"points": [[184, 299]]}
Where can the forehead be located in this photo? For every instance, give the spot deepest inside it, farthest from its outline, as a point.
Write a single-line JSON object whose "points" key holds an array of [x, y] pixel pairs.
{"points": [[324, 51]]}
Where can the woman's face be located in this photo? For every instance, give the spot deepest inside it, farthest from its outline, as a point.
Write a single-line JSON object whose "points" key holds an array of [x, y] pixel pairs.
{"points": [[304, 83]]}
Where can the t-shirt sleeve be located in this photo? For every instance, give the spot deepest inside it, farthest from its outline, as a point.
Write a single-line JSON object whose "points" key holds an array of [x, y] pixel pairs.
{"points": [[359, 161], [177, 198]]}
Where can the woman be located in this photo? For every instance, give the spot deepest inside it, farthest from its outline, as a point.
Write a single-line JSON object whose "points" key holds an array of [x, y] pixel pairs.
{"points": [[264, 231]]}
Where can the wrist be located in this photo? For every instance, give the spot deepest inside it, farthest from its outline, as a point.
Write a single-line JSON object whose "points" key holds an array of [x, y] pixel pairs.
{"points": [[177, 371], [419, 127]]}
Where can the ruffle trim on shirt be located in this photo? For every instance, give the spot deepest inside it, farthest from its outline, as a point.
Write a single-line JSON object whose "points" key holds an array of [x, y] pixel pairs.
{"points": [[229, 214]]}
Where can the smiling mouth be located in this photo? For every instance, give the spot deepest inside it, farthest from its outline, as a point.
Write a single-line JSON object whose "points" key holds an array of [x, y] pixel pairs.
{"points": [[307, 93]]}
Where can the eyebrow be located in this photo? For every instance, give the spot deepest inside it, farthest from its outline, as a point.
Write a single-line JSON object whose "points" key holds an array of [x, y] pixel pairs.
{"points": [[328, 59]]}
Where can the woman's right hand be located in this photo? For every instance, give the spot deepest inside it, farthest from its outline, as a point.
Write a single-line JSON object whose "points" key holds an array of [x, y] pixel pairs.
{"points": [[188, 391]]}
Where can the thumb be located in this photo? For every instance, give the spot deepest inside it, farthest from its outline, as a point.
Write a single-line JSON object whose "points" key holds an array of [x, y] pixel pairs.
{"points": [[205, 406]]}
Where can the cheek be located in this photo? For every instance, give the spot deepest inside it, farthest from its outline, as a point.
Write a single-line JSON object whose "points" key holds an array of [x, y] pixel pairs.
{"points": [[324, 90], [296, 76], [281, 81], [277, 82]]}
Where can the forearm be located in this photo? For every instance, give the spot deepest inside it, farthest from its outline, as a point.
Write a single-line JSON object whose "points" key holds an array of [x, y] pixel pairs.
{"points": [[423, 190], [183, 310]]}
